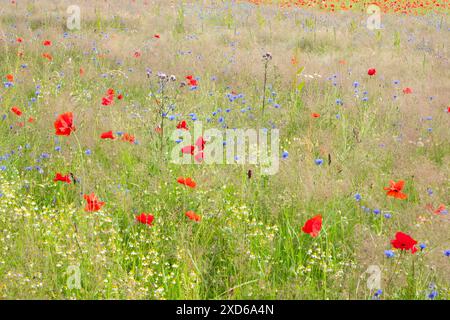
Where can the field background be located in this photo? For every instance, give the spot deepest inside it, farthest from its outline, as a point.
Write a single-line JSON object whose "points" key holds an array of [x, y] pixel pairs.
{"points": [[249, 242]]}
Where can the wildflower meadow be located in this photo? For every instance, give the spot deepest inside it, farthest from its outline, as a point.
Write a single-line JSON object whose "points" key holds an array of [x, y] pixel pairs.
{"points": [[224, 150]]}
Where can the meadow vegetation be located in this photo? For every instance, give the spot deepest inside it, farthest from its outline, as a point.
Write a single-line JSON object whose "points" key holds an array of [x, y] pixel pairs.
{"points": [[344, 136]]}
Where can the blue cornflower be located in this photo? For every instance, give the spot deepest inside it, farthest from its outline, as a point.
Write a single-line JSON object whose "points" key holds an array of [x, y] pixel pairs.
{"points": [[389, 253], [221, 119], [88, 152], [58, 148], [447, 253], [377, 294], [433, 294], [356, 84], [357, 197], [285, 154], [387, 215], [422, 246], [376, 211], [318, 162], [2, 168]]}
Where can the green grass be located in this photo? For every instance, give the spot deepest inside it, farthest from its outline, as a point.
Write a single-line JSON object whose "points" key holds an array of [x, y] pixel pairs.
{"points": [[249, 243]]}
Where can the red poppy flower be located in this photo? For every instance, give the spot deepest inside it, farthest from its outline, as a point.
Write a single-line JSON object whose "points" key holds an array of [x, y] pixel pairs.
{"points": [[64, 124], [403, 241], [315, 115], [200, 143], [47, 43], [407, 90], [47, 56], [313, 226], [145, 218], [188, 149], [81, 72], [60, 177], [137, 54], [395, 188], [157, 36], [371, 72], [120, 97], [106, 101], [128, 138], [182, 125], [187, 182], [19, 40], [448, 109], [30, 119], [191, 81], [17, 111], [107, 135], [93, 204], [110, 92], [440, 210], [193, 216], [158, 130], [10, 77]]}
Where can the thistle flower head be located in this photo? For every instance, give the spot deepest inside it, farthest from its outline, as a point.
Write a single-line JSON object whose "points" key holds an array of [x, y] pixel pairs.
{"points": [[267, 56]]}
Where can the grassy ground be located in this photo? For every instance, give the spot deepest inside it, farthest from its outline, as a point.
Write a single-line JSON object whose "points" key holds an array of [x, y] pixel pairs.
{"points": [[249, 242]]}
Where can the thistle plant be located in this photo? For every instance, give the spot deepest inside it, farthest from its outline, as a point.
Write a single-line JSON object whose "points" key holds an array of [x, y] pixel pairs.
{"points": [[266, 59], [163, 99]]}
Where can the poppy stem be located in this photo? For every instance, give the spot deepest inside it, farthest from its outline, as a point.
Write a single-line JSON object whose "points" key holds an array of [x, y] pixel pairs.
{"points": [[80, 150], [395, 270]]}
